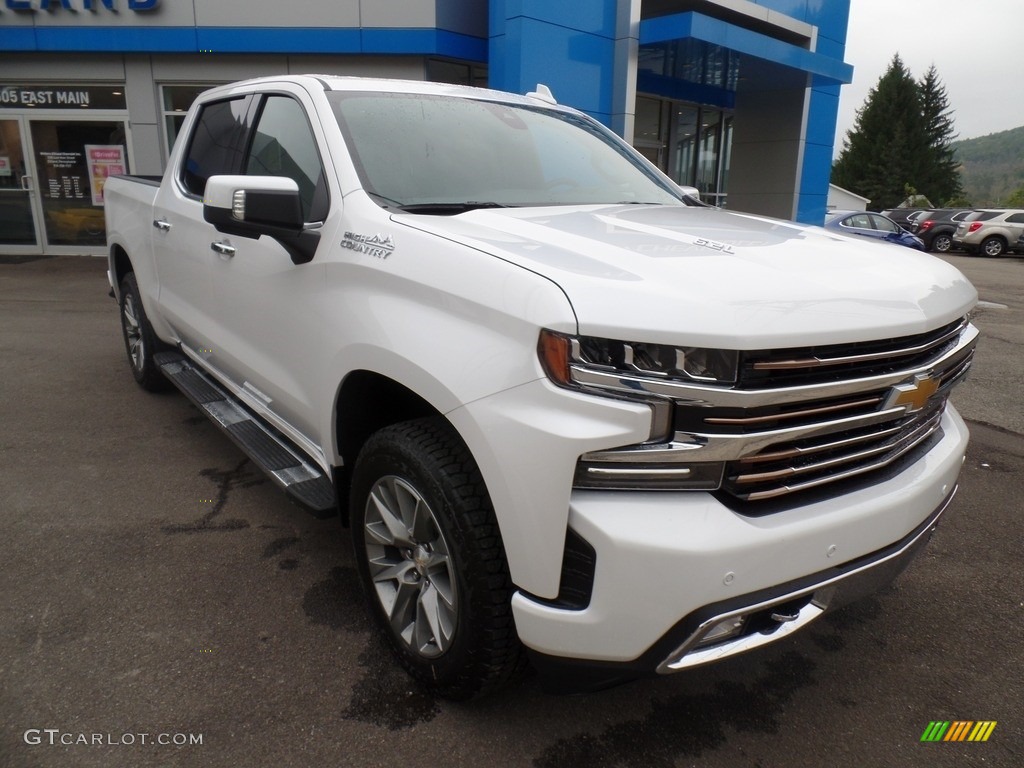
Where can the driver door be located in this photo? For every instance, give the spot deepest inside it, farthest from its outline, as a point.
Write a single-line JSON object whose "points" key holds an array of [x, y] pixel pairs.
{"points": [[270, 335]]}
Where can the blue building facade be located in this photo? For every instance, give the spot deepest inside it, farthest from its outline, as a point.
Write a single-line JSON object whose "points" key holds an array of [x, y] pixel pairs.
{"points": [[736, 97], [751, 89]]}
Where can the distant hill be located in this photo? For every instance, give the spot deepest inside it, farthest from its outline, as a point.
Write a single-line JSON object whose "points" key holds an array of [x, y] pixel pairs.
{"points": [[992, 166]]}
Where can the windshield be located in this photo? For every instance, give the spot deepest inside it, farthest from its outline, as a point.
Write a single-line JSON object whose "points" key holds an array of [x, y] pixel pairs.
{"points": [[441, 154]]}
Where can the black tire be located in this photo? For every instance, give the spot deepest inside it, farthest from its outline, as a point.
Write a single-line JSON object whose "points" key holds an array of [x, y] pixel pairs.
{"points": [[436, 578], [140, 343], [942, 243], [993, 246]]}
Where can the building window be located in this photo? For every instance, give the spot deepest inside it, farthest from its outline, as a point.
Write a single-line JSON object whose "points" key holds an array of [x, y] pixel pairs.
{"points": [[694, 62], [456, 73], [176, 101], [649, 130], [691, 143]]}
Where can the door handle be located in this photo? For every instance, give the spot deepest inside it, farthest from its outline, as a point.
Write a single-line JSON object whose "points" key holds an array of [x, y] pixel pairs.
{"points": [[163, 226], [26, 183], [223, 249]]}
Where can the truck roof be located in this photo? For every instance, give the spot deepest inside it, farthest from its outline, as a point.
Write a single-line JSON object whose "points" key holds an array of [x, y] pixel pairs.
{"points": [[387, 85]]}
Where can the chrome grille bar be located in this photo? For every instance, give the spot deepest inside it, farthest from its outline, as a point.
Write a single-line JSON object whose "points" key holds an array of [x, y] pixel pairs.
{"points": [[794, 415], [831, 446], [888, 354], [899, 449]]}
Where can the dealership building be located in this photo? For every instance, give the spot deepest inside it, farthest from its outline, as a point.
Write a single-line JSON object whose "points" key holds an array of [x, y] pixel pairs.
{"points": [[738, 98]]}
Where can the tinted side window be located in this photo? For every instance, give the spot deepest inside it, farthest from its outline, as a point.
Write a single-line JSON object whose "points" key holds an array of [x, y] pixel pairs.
{"points": [[1017, 218], [217, 143], [883, 224], [283, 145], [861, 221]]}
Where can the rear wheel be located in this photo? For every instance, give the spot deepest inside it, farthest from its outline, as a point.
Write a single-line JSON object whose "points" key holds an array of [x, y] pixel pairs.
{"points": [[942, 243], [431, 559], [139, 340], [993, 246]]}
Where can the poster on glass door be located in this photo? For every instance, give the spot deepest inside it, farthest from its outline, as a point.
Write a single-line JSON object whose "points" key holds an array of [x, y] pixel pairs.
{"points": [[103, 160]]}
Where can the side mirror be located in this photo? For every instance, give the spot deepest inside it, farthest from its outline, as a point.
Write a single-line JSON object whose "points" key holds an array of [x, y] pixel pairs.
{"points": [[691, 196], [253, 206]]}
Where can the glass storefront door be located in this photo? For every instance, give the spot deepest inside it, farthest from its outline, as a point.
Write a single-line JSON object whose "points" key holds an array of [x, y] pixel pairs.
{"points": [[19, 233], [58, 145], [73, 159]]}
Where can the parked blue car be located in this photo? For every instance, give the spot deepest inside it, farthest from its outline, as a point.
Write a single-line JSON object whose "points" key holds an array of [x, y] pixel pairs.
{"points": [[868, 224]]}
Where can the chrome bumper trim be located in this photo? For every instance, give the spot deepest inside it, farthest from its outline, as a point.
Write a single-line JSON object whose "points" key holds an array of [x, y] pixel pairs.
{"points": [[820, 597]]}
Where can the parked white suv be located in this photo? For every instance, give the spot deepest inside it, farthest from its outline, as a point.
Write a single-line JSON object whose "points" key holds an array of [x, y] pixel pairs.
{"points": [[991, 232]]}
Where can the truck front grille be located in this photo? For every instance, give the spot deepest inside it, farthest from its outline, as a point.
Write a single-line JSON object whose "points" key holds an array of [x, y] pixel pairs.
{"points": [[799, 419], [805, 464]]}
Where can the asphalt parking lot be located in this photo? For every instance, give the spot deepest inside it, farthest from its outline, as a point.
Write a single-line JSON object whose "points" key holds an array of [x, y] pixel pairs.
{"points": [[155, 588]]}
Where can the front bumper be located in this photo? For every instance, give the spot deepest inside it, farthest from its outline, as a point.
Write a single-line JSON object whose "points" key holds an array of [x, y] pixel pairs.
{"points": [[670, 566]]}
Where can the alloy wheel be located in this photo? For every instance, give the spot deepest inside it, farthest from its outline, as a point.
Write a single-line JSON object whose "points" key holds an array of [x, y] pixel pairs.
{"points": [[133, 332], [411, 567]]}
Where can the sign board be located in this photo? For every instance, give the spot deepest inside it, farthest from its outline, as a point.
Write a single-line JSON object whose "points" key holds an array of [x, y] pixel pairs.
{"points": [[103, 160], [32, 6], [15, 96]]}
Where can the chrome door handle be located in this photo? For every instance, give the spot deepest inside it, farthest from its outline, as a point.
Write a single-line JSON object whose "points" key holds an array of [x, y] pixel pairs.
{"points": [[163, 226], [223, 249]]}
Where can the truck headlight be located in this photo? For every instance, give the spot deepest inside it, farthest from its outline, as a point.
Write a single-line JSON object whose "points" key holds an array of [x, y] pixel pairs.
{"points": [[620, 369], [562, 354]]}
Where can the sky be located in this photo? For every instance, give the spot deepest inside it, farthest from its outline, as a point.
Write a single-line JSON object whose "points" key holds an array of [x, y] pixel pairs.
{"points": [[975, 46]]}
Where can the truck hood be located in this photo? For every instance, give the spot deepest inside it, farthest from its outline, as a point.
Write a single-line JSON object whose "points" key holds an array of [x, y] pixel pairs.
{"points": [[707, 277]]}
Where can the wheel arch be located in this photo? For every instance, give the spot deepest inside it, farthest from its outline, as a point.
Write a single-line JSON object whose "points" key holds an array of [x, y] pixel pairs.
{"points": [[120, 265], [366, 402]]}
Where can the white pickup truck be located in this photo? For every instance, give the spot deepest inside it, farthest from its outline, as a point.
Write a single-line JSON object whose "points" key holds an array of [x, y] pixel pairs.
{"points": [[570, 414]]}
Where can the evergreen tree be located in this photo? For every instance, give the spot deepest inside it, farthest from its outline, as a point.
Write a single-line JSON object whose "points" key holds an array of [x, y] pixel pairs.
{"points": [[901, 137], [942, 181]]}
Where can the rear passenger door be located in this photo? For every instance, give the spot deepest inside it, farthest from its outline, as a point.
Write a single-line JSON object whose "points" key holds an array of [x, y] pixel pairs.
{"points": [[886, 228], [181, 238], [269, 339], [1015, 225], [860, 224]]}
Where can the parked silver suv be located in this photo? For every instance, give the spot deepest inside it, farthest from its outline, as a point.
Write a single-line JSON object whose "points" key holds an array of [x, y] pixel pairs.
{"points": [[991, 232]]}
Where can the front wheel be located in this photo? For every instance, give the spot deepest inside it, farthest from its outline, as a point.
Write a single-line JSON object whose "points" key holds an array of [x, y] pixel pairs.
{"points": [[942, 243], [431, 559], [993, 246]]}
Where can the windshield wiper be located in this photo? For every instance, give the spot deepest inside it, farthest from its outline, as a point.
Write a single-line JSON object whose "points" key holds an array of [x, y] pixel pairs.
{"points": [[448, 209], [385, 202]]}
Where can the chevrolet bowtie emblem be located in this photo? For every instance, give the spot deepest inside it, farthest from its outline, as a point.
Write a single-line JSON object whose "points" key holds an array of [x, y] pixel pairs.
{"points": [[915, 395]]}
